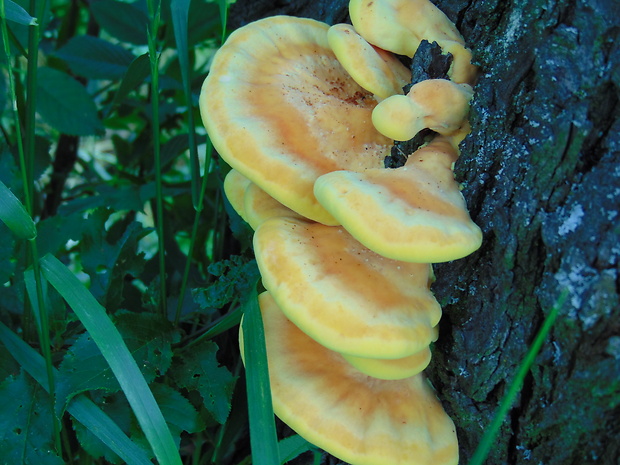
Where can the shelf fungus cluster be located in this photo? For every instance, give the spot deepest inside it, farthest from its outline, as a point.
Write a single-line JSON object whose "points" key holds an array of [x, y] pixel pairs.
{"points": [[306, 114]]}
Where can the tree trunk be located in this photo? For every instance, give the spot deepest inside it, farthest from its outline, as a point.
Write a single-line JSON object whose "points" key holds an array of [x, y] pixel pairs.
{"points": [[541, 176]]}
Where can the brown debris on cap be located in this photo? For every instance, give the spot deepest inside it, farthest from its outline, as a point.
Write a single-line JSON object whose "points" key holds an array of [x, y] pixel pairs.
{"points": [[282, 110]]}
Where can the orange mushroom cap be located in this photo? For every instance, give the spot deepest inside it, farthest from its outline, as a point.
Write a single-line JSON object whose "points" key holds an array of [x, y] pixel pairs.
{"points": [[397, 368], [359, 419], [415, 213], [282, 110], [235, 185], [376, 70], [343, 295], [260, 206], [436, 104], [400, 25]]}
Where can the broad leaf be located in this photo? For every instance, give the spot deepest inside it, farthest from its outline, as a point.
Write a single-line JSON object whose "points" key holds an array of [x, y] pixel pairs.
{"points": [[25, 423], [108, 263], [177, 410], [16, 13], [14, 215], [65, 105], [95, 58], [138, 71], [235, 278], [127, 22], [200, 370], [56, 231], [148, 338], [82, 409]]}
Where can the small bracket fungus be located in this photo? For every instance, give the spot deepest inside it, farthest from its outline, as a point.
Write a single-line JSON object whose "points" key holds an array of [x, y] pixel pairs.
{"points": [[436, 104], [359, 419], [235, 185], [400, 25], [282, 110], [415, 213], [398, 368], [343, 295], [376, 70], [260, 206]]}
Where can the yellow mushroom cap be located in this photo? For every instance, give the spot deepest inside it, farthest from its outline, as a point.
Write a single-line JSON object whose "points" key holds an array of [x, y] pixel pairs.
{"points": [[398, 368], [376, 70], [260, 206], [235, 185], [343, 295], [359, 419], [400, 25], [436, 104], [282, 110], [415, 213]]}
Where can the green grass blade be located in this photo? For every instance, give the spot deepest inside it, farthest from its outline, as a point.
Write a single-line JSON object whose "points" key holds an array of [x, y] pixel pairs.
{"points": [[223, 4], [488, 439], [94, 318], [82, 408], [263, 438], [192, 243], [179, 10], [154, 8], [14, 215]]}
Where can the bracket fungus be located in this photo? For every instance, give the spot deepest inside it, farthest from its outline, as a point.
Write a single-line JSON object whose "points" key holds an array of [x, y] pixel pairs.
{"points": [[415, 213], [345, 246], [343, 295], [360, 419], [235, 185], [282, 111], [436, 104], [376, 70], [400, 25]]}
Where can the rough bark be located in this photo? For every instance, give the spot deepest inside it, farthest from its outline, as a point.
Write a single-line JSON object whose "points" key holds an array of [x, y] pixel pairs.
{"points": [[541, 175]]}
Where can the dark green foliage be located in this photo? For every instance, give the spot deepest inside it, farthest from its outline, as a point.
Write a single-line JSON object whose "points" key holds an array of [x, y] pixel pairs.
{"points": [[234, 278], [95, 58], [198, 369], [97, 245], [65, 105], [25, 435]]}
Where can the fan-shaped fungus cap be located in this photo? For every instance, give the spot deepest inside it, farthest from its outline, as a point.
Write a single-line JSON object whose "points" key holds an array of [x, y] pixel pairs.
{"points": [[359, 419], [414, 213], [343, 295], [235, 185], [282, 110], [397, 368], [260, 206], [436, 104], [376, 70], [400, 25]]}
